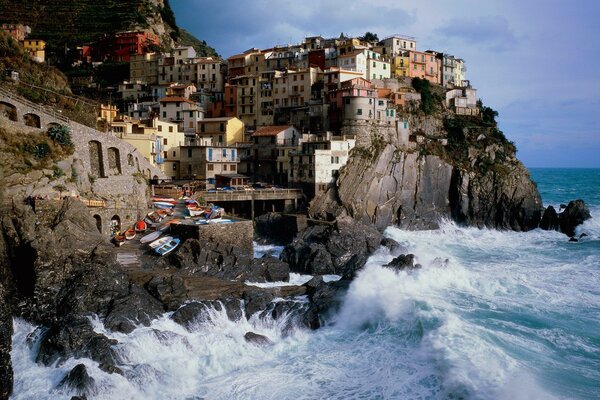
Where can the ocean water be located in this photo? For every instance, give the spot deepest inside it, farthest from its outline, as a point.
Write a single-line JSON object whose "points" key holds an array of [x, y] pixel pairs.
{"points": [[490, 315]]}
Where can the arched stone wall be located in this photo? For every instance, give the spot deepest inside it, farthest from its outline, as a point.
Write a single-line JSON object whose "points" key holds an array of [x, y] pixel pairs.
{"points": [[114, 161], [33, 120], [130, 160], [9, 111], [96, 158], [98, 222]]}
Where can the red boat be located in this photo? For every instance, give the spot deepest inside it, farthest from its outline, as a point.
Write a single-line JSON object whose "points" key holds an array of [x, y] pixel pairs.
{"points": [[140, 226]]}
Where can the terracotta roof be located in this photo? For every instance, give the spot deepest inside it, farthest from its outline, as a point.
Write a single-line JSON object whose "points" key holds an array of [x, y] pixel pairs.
{"points": [[272, 130], [236, 56], [176, 100]]}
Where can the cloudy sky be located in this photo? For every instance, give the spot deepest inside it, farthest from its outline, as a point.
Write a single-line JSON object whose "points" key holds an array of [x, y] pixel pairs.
{"points": [[535, 61]]}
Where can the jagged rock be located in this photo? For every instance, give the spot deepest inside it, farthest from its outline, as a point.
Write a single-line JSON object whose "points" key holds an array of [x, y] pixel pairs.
{"points": [[137, 308], [549, 220], [169, 290], [6, 331], [403, 262], [573, 239], [325, 297], [256, 300], [384, 184], [75, 337], [574, 214], [199, 311], [341, 248], [276, 270], [257, 339], [79, 381], [78, 397], [391, 244]]}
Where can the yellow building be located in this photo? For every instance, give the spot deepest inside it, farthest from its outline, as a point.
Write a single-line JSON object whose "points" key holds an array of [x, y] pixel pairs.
{"points": [[221, 131], [154, 139], [400, 64], [36, 49]]}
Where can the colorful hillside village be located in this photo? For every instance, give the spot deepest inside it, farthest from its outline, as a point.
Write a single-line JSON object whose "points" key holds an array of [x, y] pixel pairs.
{"points": [[276, 115]]}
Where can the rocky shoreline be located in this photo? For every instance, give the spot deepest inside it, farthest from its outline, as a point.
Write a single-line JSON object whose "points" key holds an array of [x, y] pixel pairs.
{"points": [[58, 271]]}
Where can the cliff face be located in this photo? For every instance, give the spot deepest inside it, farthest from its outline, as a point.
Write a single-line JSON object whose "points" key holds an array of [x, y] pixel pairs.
{"points": [[451, 167]]}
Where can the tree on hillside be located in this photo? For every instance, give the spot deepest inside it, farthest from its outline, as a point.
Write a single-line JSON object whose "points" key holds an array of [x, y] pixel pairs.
{"points": [[488, 114], [369, 37]]}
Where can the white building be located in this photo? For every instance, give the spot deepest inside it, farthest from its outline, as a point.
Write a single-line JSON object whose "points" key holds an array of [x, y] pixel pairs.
{"points": [[184, 112], [317, 165], [395, 44]]}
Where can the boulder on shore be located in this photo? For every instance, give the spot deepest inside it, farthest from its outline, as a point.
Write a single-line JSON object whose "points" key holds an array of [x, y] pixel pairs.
{"points": [[340, 248], [79, 381], [549, 220], [574, 214], [257, 339]]}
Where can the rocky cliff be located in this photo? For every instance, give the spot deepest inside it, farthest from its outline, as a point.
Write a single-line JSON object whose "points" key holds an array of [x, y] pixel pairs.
{"points": [[441, 166]]}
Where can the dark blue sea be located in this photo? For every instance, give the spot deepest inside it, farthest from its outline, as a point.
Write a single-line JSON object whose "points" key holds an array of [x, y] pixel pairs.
{"points": [[491, 315]]}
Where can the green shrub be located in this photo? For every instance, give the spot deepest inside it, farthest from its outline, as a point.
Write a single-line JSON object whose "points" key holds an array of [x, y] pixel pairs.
{"points": [[61, 135], [41, 151]]}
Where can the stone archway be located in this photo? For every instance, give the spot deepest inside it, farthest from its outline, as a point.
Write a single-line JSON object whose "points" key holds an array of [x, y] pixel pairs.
{"points": [[137, 164], [114, 161], [96, 158], [32, 120], [98, 222], [130, 160], [115, 225], [9, 111]]}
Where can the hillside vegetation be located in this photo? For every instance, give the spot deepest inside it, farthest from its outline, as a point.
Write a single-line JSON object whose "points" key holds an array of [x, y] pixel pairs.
{"points": [[202, 49], [82, 21]]}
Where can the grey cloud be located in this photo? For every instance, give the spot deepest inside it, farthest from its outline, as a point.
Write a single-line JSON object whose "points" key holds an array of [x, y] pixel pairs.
{"points": [[492, 32]]}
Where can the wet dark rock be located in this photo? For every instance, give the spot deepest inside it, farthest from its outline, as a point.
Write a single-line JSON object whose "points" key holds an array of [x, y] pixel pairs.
{"points": [[573, 239], [75, 337], [573, 215], [200, 311], [275, 270], [549, 220], [403, 262], [6, 331], [168, 289], [137, 308], [79, 398], [226, 262], [391, 244], [257, 339], [255, 300], [583, 235], [340, 248], [79, 381], [325, 298]]}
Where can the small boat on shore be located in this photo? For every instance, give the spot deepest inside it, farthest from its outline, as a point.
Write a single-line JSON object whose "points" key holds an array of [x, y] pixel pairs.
{"points": [[141, 226], [156, 234], [168, 247], [159, 242], [163, 204], [118, 240], [129, 234]]}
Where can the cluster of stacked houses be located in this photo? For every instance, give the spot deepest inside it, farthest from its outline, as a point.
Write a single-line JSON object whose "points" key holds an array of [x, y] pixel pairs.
{"points": [[276, 115], [35, 47]]}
